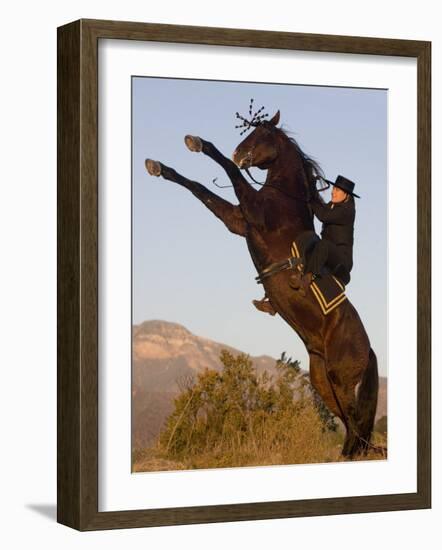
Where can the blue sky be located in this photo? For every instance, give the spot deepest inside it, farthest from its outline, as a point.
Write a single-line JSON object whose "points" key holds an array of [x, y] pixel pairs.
{"points": [[187, 267]]}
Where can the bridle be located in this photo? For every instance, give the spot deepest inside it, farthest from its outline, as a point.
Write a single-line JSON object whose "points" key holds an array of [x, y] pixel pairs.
{"points": [[258, 119]]}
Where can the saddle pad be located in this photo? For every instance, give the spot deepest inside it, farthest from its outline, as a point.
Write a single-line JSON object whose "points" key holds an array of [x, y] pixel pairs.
{"points": [[329, 292], [303, 243]]}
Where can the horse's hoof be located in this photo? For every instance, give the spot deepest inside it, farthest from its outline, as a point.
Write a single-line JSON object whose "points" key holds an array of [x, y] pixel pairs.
{"points": [[153, 167], [194, 143]]}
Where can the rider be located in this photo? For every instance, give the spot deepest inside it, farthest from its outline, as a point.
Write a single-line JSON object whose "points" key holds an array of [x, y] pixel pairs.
{"points": [[335, 249]]}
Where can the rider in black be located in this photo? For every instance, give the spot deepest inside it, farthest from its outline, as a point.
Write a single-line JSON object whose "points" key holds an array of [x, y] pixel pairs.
{"points": [[335, 248]]}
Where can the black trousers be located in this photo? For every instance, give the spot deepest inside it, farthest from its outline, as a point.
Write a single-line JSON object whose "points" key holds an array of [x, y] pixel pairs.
{"points": [[322, 253]]}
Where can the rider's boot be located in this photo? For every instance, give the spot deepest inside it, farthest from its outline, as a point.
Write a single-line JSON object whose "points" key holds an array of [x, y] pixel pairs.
{"points": [[264, 305], [301, 282]]}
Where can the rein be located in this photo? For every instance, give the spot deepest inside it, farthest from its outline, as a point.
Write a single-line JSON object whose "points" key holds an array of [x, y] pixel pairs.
{"points": [[295, 197]]}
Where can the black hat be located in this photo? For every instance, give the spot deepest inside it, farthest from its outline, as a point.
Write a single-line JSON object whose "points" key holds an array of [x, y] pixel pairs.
{"points": [[346, 185]]}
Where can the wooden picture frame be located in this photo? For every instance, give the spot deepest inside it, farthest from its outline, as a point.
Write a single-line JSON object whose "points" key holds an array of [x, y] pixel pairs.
{"points": [[77, 225]]}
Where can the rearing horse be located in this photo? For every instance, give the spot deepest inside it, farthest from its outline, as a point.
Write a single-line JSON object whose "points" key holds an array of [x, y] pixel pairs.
{"points": [[343, 367]]}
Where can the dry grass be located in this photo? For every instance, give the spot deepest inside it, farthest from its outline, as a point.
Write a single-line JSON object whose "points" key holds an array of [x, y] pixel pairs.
{"points": [[301, 442], [303, 445], [150, 460], [237, 418]]}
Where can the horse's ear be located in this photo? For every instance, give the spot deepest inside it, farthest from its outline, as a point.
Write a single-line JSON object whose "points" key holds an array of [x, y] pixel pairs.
{"points": [[275, 119]]}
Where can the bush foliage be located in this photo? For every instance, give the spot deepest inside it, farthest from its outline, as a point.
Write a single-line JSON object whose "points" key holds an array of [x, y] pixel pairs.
{"points": [[238, 417]]}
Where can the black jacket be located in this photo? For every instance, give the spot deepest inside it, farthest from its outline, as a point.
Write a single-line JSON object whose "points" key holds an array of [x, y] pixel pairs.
{"points": [[337, 224]]}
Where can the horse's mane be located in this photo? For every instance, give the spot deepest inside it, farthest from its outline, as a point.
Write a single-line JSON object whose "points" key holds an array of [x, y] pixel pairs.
{"points": [[311, 167]]}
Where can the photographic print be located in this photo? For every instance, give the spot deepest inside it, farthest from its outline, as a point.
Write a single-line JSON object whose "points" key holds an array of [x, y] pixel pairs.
{"points": [[234, 209], [259, 274]]}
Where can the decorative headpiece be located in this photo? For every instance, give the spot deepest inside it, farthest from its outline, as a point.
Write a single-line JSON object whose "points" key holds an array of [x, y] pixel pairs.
{"points": [[255, 120]]}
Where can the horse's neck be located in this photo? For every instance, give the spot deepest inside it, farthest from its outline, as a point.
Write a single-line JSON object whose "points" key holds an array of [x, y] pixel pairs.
{"points": [[282, 225], [287, 174]]}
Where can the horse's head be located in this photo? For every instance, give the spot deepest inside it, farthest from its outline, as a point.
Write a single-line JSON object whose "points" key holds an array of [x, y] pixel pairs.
{"points": [[260, 148]]}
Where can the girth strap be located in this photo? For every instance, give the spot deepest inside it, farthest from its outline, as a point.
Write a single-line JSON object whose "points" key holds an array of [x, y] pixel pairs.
{"points": [[276, 267]]}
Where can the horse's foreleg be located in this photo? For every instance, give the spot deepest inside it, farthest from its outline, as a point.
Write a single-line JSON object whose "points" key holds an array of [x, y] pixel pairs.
{"points": [[243, 190], [228, 213]]}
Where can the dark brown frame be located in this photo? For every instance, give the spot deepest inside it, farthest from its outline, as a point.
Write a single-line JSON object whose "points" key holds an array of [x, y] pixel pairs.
{"points": [[77, 224]]}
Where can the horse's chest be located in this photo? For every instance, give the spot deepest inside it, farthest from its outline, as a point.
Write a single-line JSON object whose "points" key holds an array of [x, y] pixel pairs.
{"points": [[269, 214]]}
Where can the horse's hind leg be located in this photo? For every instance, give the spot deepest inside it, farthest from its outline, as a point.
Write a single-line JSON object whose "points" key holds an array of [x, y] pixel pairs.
{"points": [[359, 401], [367, 399], [339, 400], [344, 391], [346, 402], [228, 213], [347, 354], [321, 383]]}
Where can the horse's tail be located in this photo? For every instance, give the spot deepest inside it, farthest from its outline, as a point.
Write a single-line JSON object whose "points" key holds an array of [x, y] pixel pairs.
{"points": [[367, 400]]}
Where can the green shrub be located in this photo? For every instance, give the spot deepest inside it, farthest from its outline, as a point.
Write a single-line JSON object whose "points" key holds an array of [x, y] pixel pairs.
{"points": [[239, 417]]}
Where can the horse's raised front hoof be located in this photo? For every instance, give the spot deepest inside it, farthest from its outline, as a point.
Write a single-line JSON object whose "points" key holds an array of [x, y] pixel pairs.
{"points": [[153, 167], [194, 143]]}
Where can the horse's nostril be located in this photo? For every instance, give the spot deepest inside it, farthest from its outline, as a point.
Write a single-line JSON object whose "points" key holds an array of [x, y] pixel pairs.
{"points": [[236, 158]]}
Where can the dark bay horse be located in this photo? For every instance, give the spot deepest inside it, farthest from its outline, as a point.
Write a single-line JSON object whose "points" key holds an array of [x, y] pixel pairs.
{"points": [[343, 367]]}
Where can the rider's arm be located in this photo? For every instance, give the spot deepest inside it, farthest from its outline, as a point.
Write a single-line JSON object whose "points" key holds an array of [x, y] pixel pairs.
{"points": [[342, 214]]}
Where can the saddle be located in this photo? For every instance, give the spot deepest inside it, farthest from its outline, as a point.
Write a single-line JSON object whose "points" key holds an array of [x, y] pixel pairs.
{"points": [[328, 288]]}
